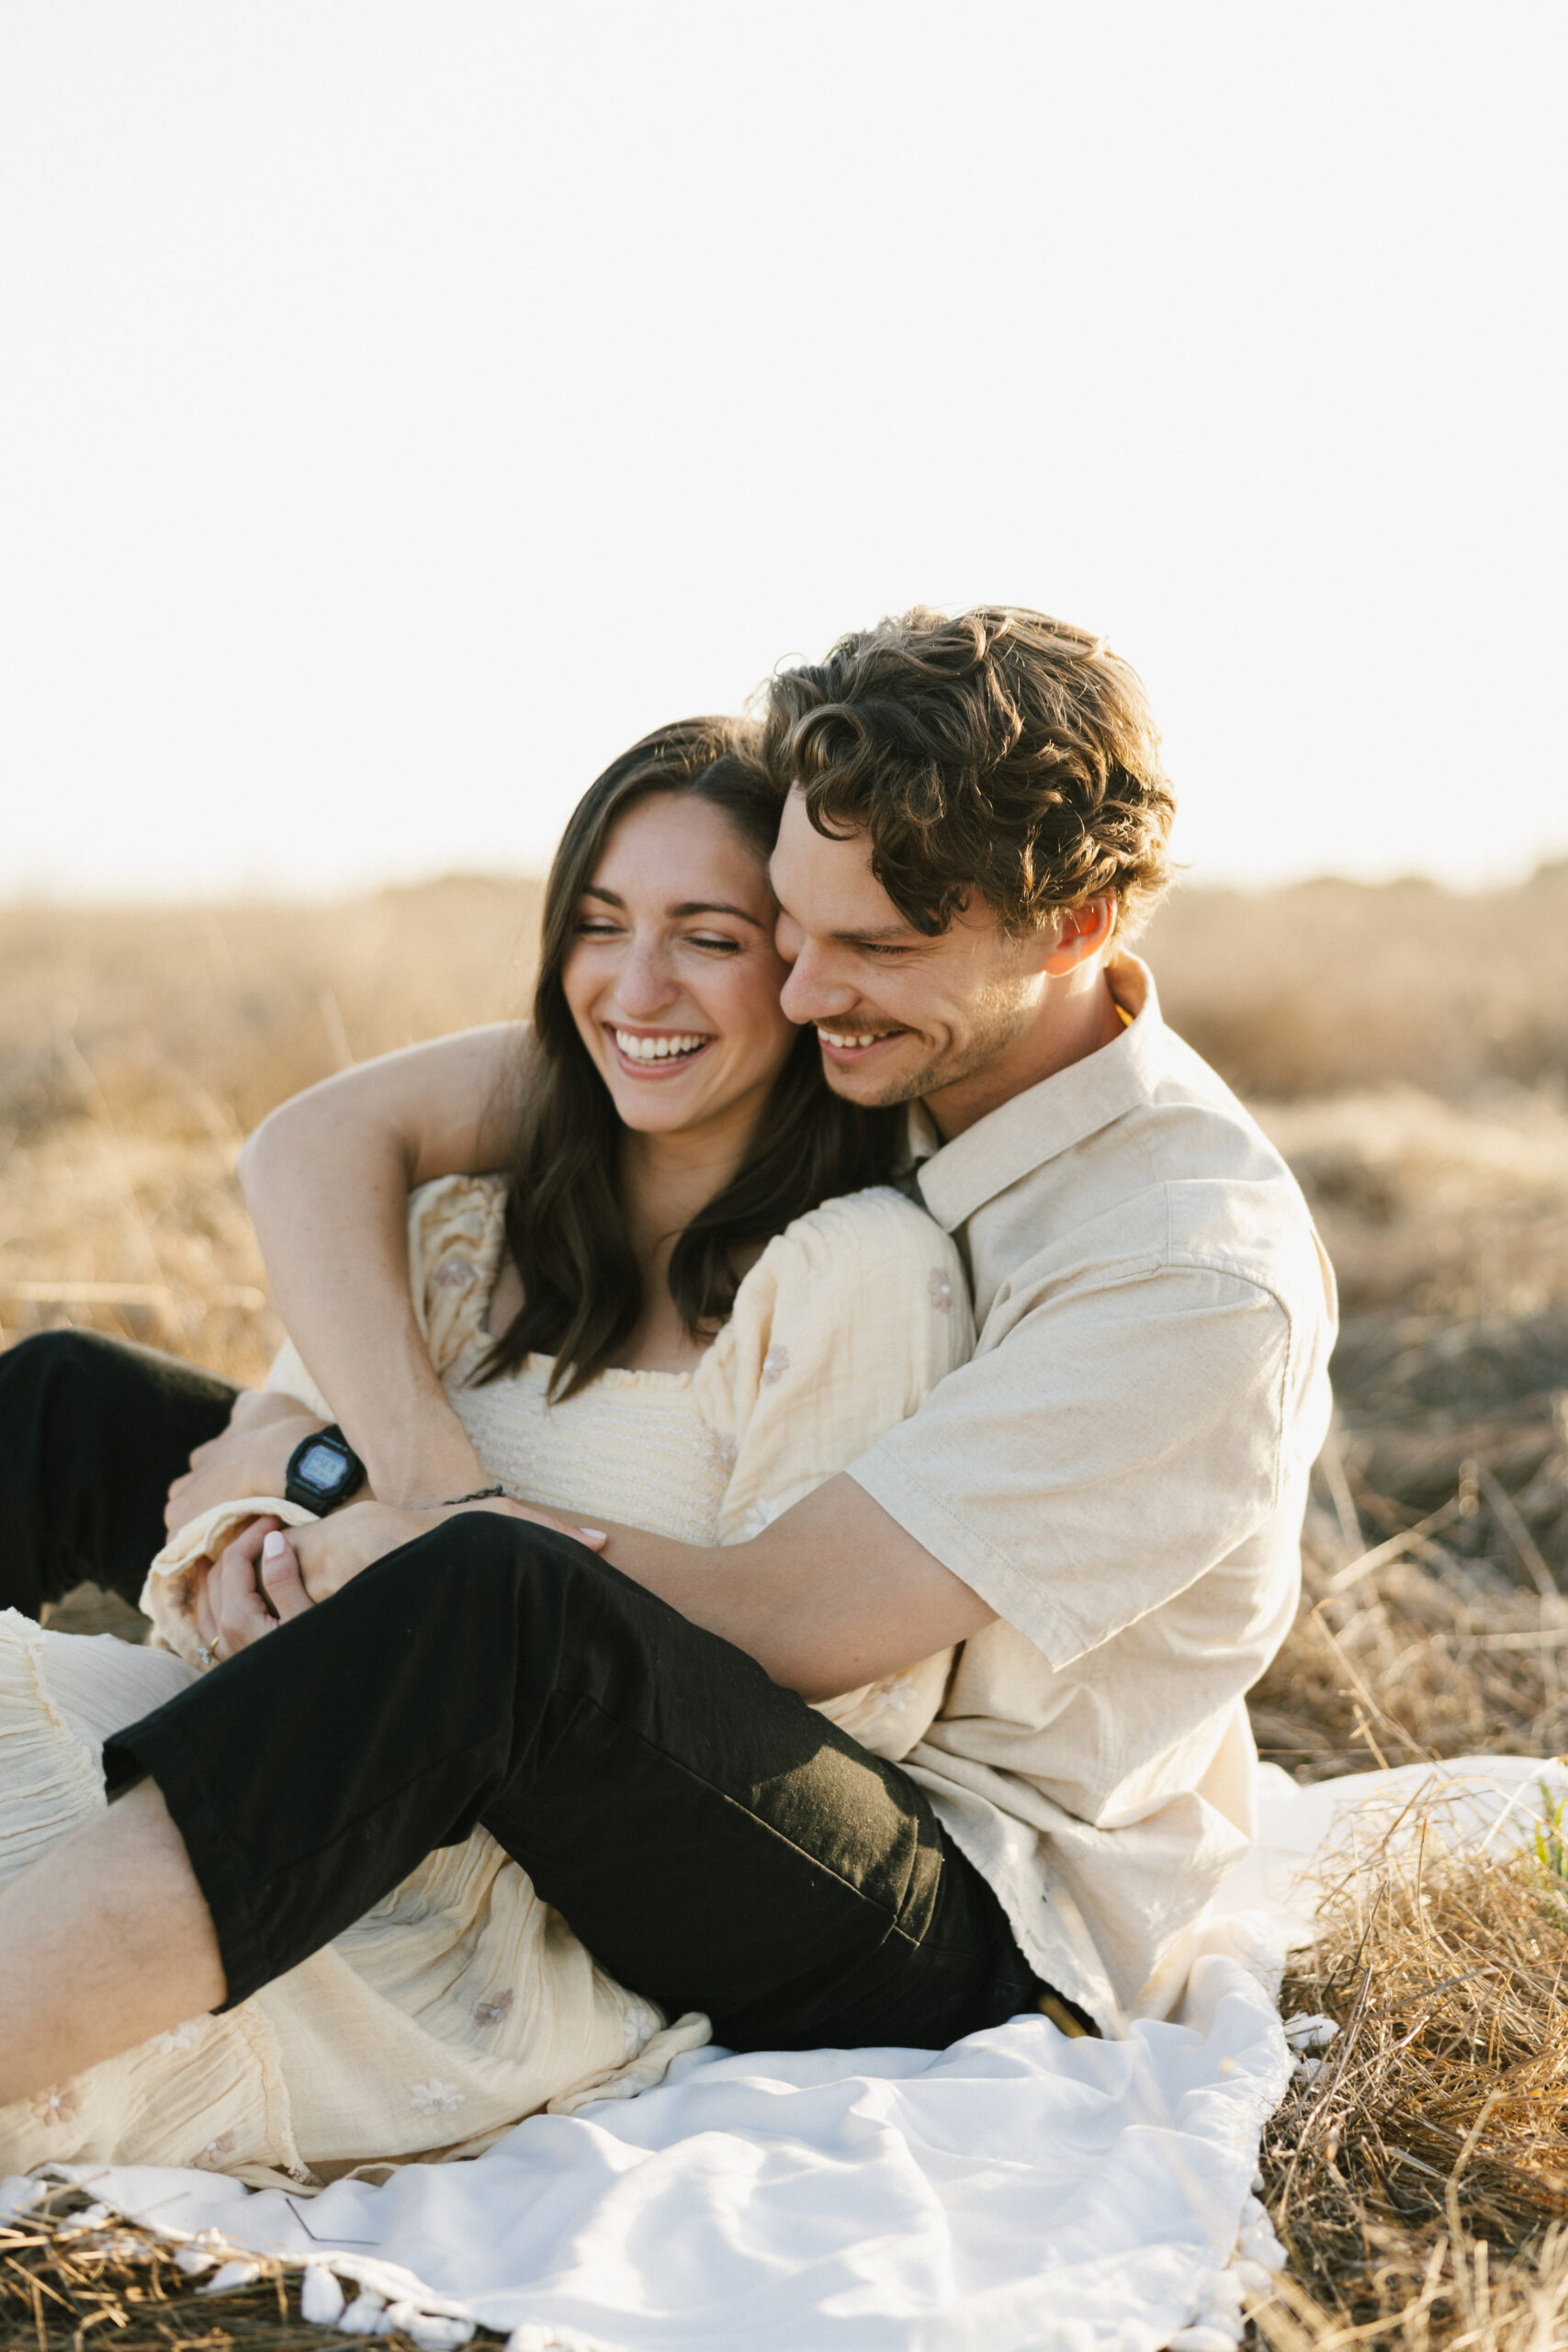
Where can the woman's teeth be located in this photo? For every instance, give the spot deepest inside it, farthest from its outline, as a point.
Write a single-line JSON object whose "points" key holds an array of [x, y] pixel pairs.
{"points": [[654, 1049]]}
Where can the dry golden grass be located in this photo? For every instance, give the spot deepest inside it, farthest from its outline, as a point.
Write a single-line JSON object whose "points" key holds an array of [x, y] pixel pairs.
{"points": [[138, 1046], [1333, 986], [72, 2274], [1409, 1052], [1432, 1623], [1419, 2178]]}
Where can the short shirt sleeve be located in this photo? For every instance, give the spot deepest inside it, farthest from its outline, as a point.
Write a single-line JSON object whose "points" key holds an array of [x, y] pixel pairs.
{"points": [[1123, 1435]]}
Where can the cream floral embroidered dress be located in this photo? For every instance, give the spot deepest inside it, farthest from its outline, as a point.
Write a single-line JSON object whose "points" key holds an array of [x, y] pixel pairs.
{"points": [[462, 2002]]}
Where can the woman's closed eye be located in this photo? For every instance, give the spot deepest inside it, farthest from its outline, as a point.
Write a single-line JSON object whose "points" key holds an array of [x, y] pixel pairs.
{"points": [[715, 940], [604, 927]]}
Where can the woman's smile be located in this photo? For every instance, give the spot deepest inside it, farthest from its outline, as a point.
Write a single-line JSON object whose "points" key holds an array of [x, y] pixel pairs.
{"points": [[655, 1052], [673, 977]]}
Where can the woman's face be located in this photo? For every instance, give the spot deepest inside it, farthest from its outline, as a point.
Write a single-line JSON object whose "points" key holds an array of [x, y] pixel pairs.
{"points": [[673, 977]]}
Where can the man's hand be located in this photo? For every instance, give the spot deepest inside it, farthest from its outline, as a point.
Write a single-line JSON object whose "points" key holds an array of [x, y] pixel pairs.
{"points": [[336, 1550], [267, 1574], [250, 1457]]}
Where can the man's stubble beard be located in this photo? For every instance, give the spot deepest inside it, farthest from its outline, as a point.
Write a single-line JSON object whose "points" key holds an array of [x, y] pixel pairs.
{"points": [[1005, 1017]]}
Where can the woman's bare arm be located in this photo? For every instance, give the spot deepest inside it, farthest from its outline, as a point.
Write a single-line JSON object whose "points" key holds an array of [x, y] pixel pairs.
{"points": [[327, 1179]]}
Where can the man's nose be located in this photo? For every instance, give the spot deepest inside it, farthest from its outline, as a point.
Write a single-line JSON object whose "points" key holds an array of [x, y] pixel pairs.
{"points": [[811, 993]]}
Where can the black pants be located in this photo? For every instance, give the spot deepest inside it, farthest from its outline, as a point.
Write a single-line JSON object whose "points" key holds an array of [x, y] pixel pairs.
{"points": [[715, 1842], [92, 1431]]}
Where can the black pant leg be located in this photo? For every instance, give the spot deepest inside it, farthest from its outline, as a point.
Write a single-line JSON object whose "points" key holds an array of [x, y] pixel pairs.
{"points": [[92, 1431], [716, 1843]]}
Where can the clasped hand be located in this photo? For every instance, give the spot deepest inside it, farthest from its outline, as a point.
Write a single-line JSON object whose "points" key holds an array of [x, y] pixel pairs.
{"points": [[268, 1573]]}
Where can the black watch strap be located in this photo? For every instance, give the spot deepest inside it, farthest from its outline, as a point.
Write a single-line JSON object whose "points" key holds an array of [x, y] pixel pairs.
{"points": [[323, 1471]]}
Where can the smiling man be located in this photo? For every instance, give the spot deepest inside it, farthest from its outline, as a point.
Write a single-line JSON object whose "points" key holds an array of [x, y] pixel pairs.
{"points": [[946, 1010], [1102, 1507]]}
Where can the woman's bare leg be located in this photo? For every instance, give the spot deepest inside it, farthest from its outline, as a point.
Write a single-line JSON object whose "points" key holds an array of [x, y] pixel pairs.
{"points": [[107, 1939]]}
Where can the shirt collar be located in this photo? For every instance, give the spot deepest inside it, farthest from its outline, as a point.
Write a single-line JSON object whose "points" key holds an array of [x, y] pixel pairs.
{"points": [[957, 1178]]}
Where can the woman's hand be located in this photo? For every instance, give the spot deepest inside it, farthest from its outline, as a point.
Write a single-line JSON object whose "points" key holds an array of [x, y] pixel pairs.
{"points": [[253, 1585], [267, 1574], [250, 1457]]}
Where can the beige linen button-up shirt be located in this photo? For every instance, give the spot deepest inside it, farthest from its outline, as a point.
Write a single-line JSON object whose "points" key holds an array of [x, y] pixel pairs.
{"points": [[1121, 1472]]}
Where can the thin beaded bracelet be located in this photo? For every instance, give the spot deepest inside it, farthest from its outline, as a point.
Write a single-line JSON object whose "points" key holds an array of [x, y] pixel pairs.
{"points": [[480, 1495]]}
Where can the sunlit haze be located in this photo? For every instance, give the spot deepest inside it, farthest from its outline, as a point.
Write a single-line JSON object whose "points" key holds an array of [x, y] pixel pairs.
{"points": [[404, 407]]}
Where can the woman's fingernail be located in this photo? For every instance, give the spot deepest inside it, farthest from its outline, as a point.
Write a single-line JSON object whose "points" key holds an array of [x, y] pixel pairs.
{"points": [[593, 1534], [275, 1545]]}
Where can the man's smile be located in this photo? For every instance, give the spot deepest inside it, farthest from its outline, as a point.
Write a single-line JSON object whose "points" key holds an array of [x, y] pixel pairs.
{"points": [[851, 1046]]}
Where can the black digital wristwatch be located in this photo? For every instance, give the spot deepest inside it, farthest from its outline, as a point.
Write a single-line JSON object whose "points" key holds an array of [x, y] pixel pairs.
{"points": [[323, 1471]]}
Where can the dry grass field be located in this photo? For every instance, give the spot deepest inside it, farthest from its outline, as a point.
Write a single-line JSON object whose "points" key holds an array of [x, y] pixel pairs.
{"points": [[137, 1048], [1408, 1050]]}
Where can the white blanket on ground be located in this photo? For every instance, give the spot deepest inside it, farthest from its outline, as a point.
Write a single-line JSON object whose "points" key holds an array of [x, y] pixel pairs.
{"points": [[1018, 2190]]}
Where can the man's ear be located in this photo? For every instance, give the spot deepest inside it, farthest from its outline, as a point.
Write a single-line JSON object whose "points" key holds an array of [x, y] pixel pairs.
{"points": [[1081, 932]]}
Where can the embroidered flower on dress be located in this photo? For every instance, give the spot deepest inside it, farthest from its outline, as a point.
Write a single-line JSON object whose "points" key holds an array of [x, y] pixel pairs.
{"points": [[896, 1693], [636, 2028], [776, 1363], [217, 2152], [435, 2097], [490, 2012], [56, 2104], [179, 2036], [453, 1270], [727, 1448], [939, 1282]]}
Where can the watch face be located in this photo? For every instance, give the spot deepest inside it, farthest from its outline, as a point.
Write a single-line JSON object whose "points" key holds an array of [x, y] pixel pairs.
{"points": [[322, 1468]]}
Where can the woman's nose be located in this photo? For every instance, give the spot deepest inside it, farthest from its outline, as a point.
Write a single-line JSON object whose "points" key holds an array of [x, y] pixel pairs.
{"points": [[644, 984]]}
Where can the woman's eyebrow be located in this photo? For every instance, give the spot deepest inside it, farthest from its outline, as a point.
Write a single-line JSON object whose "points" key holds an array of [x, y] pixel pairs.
{"points": [[716, 906], [687, 905]]}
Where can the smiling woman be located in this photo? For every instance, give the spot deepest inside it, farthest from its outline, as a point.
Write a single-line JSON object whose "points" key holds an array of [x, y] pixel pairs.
{"points": [[667, 988], [673, 1117]]}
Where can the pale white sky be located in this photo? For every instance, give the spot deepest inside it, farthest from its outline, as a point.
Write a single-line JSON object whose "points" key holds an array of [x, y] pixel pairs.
{"points": [[403, 406]]}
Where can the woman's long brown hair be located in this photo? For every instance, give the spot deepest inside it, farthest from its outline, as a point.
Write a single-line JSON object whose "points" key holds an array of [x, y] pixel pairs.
{"points": [[564, 1223]]}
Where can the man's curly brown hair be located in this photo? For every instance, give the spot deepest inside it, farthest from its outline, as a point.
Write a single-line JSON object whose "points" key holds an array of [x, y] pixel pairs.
{"points": [[1000, 753]]}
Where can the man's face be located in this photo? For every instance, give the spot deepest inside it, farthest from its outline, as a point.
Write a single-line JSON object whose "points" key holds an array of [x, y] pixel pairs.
{"points": [[898, 1015]]}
